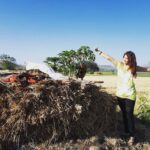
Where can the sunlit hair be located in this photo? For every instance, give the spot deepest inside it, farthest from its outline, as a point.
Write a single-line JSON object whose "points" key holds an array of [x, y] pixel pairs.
{"points": [[132, 62]]}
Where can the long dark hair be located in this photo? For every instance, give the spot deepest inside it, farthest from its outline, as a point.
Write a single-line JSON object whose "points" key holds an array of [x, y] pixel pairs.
{"points": [[132, 62]]}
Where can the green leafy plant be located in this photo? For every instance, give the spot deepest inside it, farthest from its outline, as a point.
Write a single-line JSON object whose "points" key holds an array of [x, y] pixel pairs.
{"points": [[143, 111]]}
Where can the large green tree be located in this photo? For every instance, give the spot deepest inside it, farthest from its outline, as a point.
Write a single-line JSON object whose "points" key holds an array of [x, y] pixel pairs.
{"points": [[68, 60]]}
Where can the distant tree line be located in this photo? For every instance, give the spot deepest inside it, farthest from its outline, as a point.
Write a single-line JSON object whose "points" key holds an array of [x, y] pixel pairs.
{"points": [[7, 62]]}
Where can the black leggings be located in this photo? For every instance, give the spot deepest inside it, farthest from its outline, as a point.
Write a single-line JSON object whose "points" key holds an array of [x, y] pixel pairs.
{"points": [[127, 109]]}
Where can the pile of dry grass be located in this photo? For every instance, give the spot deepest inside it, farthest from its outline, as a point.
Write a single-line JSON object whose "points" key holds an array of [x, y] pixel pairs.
{"points": [[54, 110]]}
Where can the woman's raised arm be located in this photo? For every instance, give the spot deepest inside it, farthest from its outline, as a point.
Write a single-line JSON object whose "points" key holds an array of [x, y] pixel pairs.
{"points": [[109, 58]]}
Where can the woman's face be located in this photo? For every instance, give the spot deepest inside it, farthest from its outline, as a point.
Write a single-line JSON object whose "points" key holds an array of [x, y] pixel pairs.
{"points": [[126, 60]]}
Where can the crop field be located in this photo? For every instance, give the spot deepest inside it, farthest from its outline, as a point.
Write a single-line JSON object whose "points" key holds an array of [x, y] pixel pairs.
{"points": [[142, 83]]}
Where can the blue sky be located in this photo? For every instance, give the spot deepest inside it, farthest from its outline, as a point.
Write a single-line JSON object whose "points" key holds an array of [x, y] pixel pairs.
{"points": [[35, 29]]}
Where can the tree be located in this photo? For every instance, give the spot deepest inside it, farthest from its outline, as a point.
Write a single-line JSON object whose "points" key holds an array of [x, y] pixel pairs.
{"points": [[53, 62], [85, 54], [7, 62], [92, 66], [68, 61]]}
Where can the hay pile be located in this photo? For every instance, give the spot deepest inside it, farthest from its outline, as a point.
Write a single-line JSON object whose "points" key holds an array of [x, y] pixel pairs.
{"points": [[54, 111]]}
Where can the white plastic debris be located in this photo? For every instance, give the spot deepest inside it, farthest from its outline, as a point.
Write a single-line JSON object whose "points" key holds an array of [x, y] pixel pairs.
{"points": [[46, 69]]}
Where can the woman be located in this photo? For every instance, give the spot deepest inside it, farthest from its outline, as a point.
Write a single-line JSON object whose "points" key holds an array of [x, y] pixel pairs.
{"points": [[126, 92]]}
